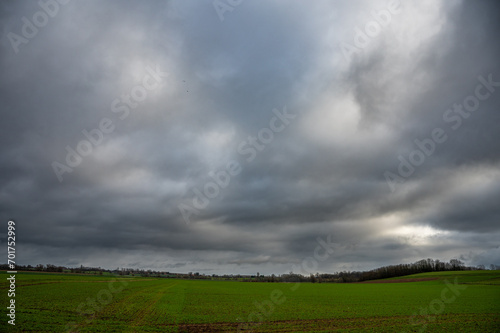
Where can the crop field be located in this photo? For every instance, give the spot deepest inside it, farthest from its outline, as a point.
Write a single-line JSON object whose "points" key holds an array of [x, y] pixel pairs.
{"points": [[467, 301]]}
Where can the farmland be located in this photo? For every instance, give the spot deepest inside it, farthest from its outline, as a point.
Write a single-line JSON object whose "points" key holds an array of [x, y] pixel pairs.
{"points": [[466, 301]]}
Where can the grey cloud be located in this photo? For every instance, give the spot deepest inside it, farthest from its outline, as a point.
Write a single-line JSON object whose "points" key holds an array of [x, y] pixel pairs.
{"points": [[322, 175]]}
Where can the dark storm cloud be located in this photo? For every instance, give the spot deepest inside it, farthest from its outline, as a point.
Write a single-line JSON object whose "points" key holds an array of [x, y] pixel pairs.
{"points": [[321, 175]]}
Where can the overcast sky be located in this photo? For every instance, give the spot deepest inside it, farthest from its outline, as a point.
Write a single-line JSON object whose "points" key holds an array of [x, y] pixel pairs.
{"points": [[227, 136]]}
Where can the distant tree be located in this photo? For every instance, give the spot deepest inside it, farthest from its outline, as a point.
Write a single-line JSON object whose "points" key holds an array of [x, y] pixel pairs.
{"points": [[456, 265]]}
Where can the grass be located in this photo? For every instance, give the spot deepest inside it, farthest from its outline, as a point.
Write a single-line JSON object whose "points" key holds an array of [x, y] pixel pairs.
{"points": [[63, 302]]}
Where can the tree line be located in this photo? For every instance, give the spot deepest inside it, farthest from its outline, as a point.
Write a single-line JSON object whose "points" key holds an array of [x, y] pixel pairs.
{"points": [[421, 266]]}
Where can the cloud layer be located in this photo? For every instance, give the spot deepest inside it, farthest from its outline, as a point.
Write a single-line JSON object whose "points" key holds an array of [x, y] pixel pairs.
{"points": [[233, 144]]}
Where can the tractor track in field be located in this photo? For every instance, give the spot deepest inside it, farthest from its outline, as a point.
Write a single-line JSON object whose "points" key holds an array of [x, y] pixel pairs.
{"points": [[401, 280], [88, 320], [139, 317]]}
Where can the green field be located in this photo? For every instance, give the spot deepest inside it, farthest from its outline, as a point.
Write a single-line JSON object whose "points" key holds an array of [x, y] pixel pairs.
{"points": [[76, 303]]}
